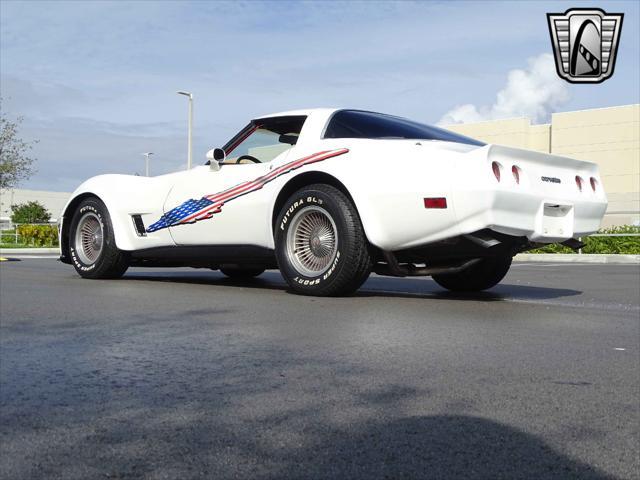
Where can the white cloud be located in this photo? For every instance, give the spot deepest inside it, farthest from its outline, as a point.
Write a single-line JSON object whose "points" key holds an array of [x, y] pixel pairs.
{"points": [[535, 93]]}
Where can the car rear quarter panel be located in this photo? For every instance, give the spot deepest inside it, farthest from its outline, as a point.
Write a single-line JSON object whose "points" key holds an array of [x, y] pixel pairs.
{"points": [[388, 181]]}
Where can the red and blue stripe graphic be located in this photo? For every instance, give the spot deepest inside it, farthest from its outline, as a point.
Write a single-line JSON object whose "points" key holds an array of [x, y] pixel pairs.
{"points": [[193, 210]]}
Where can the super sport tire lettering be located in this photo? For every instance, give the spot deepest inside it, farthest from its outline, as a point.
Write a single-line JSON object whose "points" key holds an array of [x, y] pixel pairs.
{"points": [[352, 262]]}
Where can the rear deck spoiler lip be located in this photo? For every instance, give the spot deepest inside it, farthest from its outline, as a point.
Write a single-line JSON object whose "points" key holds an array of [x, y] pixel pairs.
{"points": [[550, 159]]}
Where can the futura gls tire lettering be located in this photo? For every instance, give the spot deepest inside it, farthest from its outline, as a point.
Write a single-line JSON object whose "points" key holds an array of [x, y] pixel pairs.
{"points": [[321, 247]]}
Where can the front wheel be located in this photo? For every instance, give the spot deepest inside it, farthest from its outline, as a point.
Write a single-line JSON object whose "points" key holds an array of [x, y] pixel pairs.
{"points": [[320, 244], [485, 274], [92, 245]]}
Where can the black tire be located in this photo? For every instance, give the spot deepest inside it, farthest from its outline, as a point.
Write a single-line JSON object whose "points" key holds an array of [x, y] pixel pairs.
{"points": [[109, 262], [350, 262], [481, 276], [242, 273]]}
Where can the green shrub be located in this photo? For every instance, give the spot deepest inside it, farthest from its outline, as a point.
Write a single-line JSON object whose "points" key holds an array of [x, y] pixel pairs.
{"points": [[30, 212], [38, 235], [625, 245], [8, 236]]}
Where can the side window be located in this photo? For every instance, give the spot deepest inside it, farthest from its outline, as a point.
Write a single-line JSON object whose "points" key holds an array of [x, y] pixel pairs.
{"points": [[264, 140], [262, 145]]}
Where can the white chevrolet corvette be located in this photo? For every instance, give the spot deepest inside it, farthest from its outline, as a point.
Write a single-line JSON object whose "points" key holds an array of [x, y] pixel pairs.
{"points": [[327, 196]]}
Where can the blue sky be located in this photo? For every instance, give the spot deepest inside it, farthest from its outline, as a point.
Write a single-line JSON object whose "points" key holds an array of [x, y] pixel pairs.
{"points": [[96, 81]]}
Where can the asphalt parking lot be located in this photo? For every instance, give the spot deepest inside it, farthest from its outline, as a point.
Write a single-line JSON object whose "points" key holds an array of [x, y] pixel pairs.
{"points": [[184, 374]]}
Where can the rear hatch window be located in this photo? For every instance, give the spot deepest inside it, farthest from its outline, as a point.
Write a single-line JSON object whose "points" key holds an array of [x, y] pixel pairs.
{"points": [[361, 124]]}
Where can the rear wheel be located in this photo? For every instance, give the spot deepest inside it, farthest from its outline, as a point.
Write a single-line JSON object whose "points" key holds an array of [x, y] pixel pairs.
{"points": [[481, 276], [320, 244], [92, 246], [240, 273]]}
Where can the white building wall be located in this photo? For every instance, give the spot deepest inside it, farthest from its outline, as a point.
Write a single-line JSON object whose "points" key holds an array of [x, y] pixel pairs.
{"points": [[54, 202]]}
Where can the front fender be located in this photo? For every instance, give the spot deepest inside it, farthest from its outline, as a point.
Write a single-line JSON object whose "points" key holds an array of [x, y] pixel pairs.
{"points": [[124, 196]]}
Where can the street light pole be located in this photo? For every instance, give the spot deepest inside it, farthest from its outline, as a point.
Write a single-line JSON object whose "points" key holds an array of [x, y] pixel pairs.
{"points": [[189, 140], [146, 162]]}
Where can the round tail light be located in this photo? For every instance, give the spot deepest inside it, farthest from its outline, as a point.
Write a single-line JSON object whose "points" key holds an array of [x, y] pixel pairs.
{"points": [[495, 166], [516, 174], [579, 182], [594, 182]]}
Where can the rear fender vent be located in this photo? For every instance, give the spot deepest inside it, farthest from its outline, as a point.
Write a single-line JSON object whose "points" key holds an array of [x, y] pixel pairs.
{"points": [[139, 224]]}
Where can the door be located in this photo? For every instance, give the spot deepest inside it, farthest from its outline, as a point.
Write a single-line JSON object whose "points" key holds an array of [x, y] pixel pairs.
{"points": [[229, 206]]}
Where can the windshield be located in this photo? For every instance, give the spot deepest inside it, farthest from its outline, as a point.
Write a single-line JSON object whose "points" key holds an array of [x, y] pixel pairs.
{"points": [[360, 124]]}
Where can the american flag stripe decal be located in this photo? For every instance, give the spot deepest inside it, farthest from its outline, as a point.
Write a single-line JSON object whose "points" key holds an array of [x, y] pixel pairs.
{"points": [[193, 211]]}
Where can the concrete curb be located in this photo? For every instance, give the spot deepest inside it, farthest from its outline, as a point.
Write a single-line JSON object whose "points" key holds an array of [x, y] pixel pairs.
{"points": [[575, 258], [7, 252]]}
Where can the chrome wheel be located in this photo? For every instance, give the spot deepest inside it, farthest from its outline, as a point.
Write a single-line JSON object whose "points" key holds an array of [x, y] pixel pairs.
{"points": [[89, 238], [312, 241]]}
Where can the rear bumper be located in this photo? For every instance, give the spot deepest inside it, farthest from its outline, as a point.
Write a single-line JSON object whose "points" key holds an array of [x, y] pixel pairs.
{"points": [[539, 217], [544, 202]]}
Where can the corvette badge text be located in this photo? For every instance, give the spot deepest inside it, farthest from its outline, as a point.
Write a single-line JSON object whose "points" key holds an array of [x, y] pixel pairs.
{"points": [[193, 211], [585, 43], [551, 179]]}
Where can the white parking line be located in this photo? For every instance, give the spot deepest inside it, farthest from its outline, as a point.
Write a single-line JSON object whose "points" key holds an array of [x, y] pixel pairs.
{"points": [[31, 256], [536, 264], [567, 264]]}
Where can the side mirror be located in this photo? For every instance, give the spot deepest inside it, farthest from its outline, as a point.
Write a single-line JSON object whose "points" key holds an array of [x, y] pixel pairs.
{"points": [[219, 155], [215, 157], [216, 154]]}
